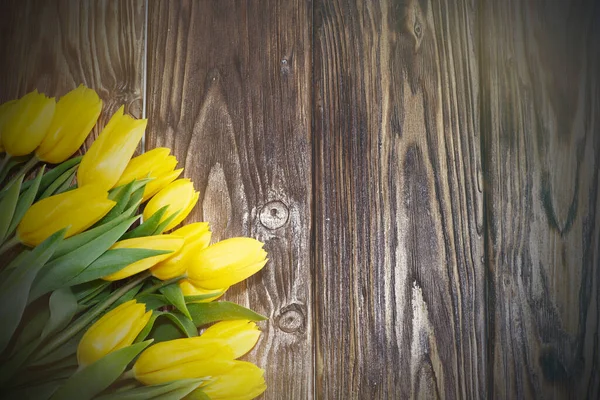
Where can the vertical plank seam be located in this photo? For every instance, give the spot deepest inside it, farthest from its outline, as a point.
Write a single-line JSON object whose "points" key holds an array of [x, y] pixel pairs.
{"points": [[145, 72], [488, 364], [313, 214]]}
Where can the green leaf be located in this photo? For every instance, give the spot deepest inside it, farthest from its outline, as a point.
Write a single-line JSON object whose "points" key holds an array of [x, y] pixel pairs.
{"points": [[129, 295], [14, 291], [65, 350], [137, 184], [165, 330], [61, 370], [175, 390], [152, 301], [63, 305], [76, 241], [174, 296], [121, 196], [148, 227], [197, 394], [148, 328], [161, 227], [185, 325], [65, 177], [35, 318], [85, 291], [206, 313], [42, 391], [53, 174], [113, 261], [12, 162], [136, 197], [25, 201], [8, 204], [10, 367], [200, 297], [17, 261], [94, 378], [168, 326], [61, 271], [67, 185]]}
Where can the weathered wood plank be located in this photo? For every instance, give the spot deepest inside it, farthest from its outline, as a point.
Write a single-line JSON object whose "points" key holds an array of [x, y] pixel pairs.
{"points": [[541, 108], [54, 46], [230, 93], [399, 274]]}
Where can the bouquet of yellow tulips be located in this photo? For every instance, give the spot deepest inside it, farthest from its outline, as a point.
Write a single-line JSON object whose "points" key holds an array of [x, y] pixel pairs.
{"points": [[102, 292]]}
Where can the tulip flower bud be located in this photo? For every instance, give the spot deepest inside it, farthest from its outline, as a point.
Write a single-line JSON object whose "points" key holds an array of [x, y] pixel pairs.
{"points": [[187, 358], [156, 164], [181, 198], [244, 381], [75, 115], [27, 123], [226, 263], [169, 243], [110, 153], [5, 113], [197, 237], [115, 330], [77, 209], [241, 335], [190, 290]]}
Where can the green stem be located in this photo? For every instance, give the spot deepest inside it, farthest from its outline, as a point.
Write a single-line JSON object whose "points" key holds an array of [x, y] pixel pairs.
{"points": [[162, 284], [88, 317], [23, 171], [9, 244]]}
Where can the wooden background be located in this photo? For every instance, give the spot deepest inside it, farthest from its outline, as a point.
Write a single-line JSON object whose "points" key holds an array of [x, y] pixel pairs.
{"points": [[425, 174]]}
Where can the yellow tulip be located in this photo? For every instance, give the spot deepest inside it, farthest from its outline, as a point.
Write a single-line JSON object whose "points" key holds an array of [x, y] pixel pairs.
{"points": [[77, 209], [115, 330], [227, 262], [190, 290], [170, 243], [75, 115], [108, 156], [156, 164], [28, 123], [5, 113], [181, 198], [241, 335], [197, 237], [244, 381], [187, 358]]}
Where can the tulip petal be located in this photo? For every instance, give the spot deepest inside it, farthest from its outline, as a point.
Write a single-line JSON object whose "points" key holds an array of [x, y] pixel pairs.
{"points": [[244, 381], [28, 122], [160, 242], [110, 153], [143, 165], [240, 335], [77, 209], [75, 115], [159, 183]]}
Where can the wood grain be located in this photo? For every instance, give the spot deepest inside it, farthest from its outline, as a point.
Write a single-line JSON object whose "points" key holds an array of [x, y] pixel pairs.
{"points": [[54, 46], [230, 93], [398, 209], [541, 108]]}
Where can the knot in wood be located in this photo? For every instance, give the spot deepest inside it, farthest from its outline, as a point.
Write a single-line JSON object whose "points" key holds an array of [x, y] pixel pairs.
{"points": [[285, 66], [291, 319], [274, 214], [418, 30]]}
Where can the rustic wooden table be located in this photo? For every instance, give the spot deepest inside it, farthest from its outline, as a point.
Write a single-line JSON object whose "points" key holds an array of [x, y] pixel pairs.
{"points": [[425, 174]]}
